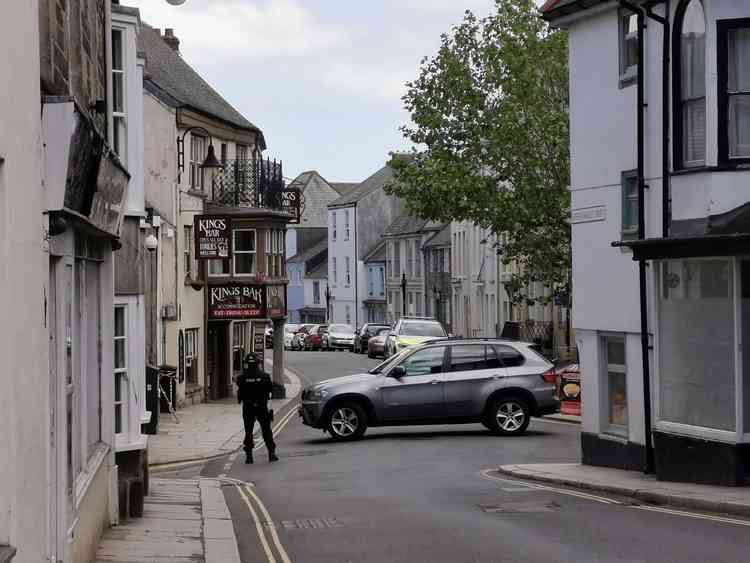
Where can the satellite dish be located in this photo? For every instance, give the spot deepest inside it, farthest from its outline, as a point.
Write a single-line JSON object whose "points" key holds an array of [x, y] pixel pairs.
{"points": [[176, 2]]}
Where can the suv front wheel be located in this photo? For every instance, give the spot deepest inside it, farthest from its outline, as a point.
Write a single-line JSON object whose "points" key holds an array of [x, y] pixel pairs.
{"points": [[347, 421], [509, 416]]}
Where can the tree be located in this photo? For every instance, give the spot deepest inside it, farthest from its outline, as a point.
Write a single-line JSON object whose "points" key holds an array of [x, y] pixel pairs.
{"points": [[489, 114]]}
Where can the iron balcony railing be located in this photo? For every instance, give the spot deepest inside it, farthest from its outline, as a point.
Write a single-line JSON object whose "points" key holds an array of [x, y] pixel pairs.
{"points": [[248, 183]]}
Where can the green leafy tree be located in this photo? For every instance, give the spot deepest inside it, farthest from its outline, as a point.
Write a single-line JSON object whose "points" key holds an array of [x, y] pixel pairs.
{"points": [[489, 120]]}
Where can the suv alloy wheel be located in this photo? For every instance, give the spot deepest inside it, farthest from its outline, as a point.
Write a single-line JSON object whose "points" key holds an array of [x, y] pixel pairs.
{"points": [[508, 415], [347, 421]]}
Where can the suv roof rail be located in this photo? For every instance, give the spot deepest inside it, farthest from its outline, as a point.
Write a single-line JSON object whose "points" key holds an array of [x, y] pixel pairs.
{"points": [[411, 318]]}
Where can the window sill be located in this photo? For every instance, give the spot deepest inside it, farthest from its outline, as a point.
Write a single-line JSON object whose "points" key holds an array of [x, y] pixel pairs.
{"points": [[735, 167], [86, 477]]}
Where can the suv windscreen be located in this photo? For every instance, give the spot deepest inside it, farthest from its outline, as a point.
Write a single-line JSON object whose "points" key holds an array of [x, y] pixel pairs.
{"points": [[412, 328]]}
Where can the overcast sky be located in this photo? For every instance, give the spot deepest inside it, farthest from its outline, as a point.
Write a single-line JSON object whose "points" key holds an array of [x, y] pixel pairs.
{"points": [[323, 79]]}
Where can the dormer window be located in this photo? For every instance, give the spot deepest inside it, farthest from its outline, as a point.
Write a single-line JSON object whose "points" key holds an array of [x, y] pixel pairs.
{"points": [[691, 82]]}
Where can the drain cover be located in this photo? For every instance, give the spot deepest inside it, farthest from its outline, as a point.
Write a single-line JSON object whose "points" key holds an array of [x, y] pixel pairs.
{"points": [[520, 507], [312, 524]]}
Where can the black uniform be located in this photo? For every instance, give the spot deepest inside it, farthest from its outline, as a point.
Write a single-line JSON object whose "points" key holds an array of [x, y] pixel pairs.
{"points": [[254, 390]]}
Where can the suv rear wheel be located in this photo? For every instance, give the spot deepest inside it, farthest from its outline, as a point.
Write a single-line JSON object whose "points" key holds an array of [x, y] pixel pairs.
{"points": [[347, 421], [509, 416]]}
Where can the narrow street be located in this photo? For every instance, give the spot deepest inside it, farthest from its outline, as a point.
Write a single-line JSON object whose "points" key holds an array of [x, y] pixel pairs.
{"points": [[432, 494]]}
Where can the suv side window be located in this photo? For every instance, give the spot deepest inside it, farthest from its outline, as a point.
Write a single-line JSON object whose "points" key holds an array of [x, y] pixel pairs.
{"points": [[510, 356], [468, 357], [425, 362], [493, 359]]}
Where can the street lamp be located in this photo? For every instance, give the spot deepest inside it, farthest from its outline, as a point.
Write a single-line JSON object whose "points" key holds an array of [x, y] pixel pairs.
{"points": [[403, 294], [209, 162]]}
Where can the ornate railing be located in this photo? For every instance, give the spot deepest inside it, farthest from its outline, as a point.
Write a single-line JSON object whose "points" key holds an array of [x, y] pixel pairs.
{"points": [[248, 183]]}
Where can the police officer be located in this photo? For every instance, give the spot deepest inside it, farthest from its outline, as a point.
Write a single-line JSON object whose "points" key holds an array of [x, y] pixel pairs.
{"points": [[253, 391]]}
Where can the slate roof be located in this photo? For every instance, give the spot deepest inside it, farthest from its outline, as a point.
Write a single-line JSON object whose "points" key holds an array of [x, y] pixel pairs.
{"points": [[344, 188], [177, 84], [311, 252], [376, 253], [441, 238], [319, 273], [406, 224], [373, 183]]}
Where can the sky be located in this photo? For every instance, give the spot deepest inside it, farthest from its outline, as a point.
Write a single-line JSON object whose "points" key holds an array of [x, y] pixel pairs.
{"points": [[323, 79]]}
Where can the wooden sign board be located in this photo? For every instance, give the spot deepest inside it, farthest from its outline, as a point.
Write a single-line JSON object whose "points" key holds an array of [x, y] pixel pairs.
{"points": [[213, 237], [236, 301]]}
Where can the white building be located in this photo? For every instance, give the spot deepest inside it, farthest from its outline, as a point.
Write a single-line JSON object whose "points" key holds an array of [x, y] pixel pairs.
{"points": [[356, 221], [673, 194]]}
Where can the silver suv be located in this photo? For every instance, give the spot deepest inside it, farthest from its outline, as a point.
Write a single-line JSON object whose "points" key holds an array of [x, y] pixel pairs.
{"points": [[500, 383]]}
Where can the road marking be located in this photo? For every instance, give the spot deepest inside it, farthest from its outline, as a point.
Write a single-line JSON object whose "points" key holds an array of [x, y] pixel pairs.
{"points": [[486, 475], [258, 525], [271, 526], [280, 426], [674, 512]]}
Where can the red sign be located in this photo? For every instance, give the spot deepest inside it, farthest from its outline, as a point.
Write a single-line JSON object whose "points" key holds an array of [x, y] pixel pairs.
{"points": [[236, 301]]}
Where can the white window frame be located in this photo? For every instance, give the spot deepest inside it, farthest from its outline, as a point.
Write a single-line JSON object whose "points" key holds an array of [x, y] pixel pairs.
{"points": [[628, 74], [346, 224], [120, 118], [122, 372], [198, 144], [236, 252], [618, 430]]}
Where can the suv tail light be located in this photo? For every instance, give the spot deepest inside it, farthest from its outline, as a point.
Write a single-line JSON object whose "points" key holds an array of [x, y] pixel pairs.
{"points": [[550, 376]]}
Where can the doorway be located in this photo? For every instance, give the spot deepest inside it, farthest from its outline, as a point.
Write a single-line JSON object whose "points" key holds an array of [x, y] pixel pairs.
{"points": [[217, 361]]}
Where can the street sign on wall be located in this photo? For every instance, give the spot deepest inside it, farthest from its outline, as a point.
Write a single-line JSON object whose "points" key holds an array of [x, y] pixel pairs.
{"points": [[213, 237], [236, 301]]}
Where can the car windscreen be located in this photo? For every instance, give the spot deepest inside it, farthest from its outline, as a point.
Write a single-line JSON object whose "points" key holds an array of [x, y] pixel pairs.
{"points": [[376, 329], [341, 328], [422, 329]]}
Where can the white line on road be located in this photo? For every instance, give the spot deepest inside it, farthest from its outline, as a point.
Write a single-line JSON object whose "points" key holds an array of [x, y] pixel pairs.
{"points": [[271, 526], [486, 475], [258, 525], [721, 519], [280, 426]]}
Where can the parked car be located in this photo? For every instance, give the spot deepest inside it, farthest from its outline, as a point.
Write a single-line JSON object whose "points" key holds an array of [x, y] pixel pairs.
{"points": [[314, 340], [339, 337], [298, 341], [409, 331], [364, 334], [376, 344], [289, 331], [500, 383]]}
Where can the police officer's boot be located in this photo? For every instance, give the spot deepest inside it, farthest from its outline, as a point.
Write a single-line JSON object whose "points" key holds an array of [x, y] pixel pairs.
{"points": [[272, 456], [248, 457]]}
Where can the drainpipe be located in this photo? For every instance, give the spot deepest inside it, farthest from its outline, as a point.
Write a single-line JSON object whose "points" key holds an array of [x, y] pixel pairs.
{"points": [[645, 348]]}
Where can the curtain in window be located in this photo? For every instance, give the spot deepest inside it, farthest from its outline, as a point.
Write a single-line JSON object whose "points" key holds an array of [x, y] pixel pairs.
{"points": [[739, 92], [693, 95]]}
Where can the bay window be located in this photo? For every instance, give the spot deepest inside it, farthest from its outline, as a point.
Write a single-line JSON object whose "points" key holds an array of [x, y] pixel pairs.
{"points": [[733, 49]]}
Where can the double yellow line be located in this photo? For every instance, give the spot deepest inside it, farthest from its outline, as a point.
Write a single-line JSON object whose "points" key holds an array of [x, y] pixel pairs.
{"points": [[264, 524]]}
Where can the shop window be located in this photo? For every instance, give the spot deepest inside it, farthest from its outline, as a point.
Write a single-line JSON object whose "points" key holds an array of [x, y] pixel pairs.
{"points": [[696, 343], [244, 252], [615, 384]]}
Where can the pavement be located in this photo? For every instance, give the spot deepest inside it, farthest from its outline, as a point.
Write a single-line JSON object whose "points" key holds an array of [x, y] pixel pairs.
{"points": [[184, 521], [646, 488], [207, 430], [571, 418]]}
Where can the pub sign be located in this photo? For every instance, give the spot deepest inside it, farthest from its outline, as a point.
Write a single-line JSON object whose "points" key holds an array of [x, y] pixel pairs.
{"points": [[277, 301], [213, 237], [236, 301], [291, 202]]}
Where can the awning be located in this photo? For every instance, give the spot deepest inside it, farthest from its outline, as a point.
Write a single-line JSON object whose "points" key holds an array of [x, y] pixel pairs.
{"points": [[688, 247]]}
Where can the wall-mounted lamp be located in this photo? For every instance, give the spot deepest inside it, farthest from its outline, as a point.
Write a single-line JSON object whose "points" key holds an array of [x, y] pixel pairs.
{"points": [[209, 162], [151, 243]]}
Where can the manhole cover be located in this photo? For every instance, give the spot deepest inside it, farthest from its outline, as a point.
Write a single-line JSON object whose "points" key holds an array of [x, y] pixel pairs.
{"points": [[520, 507], [312, 524], [303, 454]]}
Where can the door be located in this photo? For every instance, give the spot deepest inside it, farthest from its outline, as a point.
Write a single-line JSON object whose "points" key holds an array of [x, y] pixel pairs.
{"points": [[420, 393], [217, 360], [474, 372]]}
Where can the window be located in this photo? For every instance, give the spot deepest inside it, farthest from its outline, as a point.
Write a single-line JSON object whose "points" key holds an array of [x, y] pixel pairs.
{"points": [[381, 277], [218, 267], [733, 46], [197, 156], [121, 367], [690, 79], [244, 252], [223, 153], [425, 362], [348, 279], [333, 225], [119, 109], [417, 259], [615, 383], [188, 252], [629, 183], [270, 251], [316, 292], [370, 282], [335, 272], [241, 152], [468, 358], [409, 258], [191, 355], [240, 330], [628, 29], [510, 357], [348, 314], [346, 224], [397, 259]]}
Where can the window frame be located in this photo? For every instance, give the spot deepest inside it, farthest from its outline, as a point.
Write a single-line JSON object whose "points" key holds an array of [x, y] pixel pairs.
{"points": [[120, 118], [236, 252], [122, 372], [191, 354], [622, 431], [723, 27], [631, 232], [316, 292], [347, 271], [346, 224], [333, 225], [195, 163], [627, 77]]}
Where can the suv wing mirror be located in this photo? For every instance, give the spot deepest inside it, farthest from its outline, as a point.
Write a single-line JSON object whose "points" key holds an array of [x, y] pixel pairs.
{"points": [[398, 372]]}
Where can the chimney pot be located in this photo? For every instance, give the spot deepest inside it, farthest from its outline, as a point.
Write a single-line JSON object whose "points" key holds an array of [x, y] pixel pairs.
{"points": [[171, 39]]}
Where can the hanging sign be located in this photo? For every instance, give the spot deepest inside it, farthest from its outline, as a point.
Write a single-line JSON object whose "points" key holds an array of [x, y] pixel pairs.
{"points": [[276, 301], [213, 237], [236, 301], [291, 202]]}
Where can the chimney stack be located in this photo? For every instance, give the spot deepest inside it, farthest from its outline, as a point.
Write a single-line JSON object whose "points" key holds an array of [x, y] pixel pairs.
{"points": [[171, 40]]}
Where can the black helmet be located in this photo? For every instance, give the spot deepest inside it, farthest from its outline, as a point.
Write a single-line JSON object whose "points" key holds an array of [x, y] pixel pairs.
{"points": [[251, 360]]}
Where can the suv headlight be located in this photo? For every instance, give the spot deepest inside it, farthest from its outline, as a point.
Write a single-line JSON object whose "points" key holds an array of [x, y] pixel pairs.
{"points": [[317, 394]]}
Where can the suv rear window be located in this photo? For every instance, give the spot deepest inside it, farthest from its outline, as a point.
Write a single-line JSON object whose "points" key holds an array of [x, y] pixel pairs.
{"points": [[510, 356], [467, 357]]}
